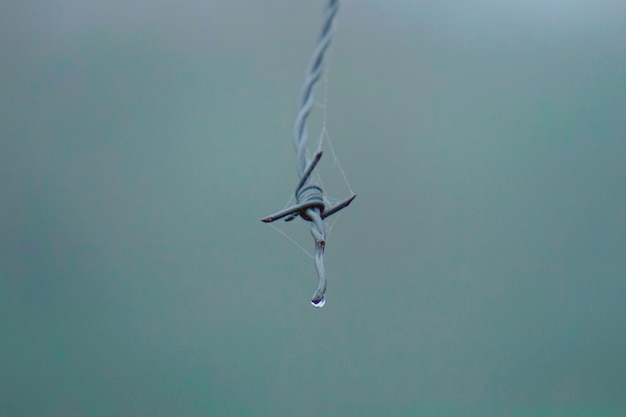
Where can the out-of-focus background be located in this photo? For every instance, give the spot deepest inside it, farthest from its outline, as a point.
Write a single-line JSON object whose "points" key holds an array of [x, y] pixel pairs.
{"points": [[481, 271]]}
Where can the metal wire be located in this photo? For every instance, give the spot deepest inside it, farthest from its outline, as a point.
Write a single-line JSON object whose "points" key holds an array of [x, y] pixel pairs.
{"points": [[309, 196]]}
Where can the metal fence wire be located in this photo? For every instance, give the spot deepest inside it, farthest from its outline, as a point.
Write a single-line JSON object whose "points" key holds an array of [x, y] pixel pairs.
{"points": [[309, 195]]}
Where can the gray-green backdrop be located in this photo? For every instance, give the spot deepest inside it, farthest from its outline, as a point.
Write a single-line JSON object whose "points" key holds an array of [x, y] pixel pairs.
{"points": [[481, 271]]}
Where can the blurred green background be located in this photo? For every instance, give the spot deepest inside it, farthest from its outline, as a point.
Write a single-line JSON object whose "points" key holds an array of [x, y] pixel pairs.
{"points": [[481, 271]]}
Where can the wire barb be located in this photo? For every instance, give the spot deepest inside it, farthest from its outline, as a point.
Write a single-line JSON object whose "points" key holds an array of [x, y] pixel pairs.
{"points": [[309, 196]]}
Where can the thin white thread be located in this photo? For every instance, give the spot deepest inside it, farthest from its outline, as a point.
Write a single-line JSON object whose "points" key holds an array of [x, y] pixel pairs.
{"points": [[324, 135], [292, 241], [337, 163]]}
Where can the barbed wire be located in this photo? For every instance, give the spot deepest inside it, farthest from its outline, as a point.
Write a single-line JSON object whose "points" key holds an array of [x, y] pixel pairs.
{"points": [[309, 196]]}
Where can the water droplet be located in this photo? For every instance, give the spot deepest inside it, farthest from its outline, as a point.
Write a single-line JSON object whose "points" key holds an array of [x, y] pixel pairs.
{"points": [[318, 304]]}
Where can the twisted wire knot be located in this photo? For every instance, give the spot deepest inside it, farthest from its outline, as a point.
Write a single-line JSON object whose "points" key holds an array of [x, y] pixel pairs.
{"points": [[312, 197], [308, 197]]}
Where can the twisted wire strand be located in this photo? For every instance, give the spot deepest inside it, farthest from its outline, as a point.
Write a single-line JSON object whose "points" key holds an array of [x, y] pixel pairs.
{"points": [[307, 98], [309, 196]]}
